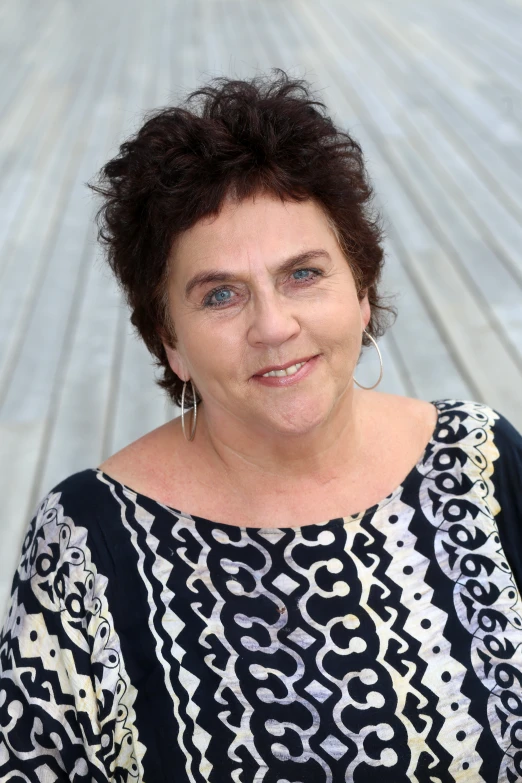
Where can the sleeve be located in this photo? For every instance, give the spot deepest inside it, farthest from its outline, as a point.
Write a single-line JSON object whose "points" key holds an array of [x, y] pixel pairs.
{"points": [[66, 703], [507, 480]]}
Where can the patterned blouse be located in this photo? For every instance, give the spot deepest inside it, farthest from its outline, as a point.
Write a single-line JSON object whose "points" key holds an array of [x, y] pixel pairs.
{"points": [[146, 644]]}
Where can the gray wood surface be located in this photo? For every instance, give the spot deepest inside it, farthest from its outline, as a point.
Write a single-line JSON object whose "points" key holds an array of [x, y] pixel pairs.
{"points": [[432, 91]]}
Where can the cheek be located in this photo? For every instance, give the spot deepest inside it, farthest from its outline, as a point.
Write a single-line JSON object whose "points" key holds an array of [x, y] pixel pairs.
{"points": [[214, 352], [340, 323]]}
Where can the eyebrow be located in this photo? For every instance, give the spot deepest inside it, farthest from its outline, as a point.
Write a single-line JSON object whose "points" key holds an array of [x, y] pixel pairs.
{"points": [[216, 276]]}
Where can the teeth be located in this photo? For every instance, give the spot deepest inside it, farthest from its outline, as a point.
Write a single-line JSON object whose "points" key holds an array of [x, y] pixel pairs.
{"points": [[289, 371]]}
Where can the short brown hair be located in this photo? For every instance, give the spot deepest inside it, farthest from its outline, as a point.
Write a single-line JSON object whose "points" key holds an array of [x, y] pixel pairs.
{"points": [[230, 137]]}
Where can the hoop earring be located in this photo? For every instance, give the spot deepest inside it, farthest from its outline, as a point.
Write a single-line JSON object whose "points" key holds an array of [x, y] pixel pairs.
{"points": [[194, 411], [380, 360]]}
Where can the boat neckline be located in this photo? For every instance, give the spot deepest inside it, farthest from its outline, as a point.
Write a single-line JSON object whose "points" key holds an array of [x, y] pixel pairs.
{"points": [[333, 522]]}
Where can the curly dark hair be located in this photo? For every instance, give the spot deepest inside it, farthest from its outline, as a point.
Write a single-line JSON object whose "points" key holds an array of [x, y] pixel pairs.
{"points": [[230, 138]]}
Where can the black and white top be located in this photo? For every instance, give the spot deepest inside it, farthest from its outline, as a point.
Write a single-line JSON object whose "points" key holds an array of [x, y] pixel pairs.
{"points": [[143, 643]]}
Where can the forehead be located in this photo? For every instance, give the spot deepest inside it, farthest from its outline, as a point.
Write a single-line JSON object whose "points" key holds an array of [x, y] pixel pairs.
{"points": [[259, 229]]}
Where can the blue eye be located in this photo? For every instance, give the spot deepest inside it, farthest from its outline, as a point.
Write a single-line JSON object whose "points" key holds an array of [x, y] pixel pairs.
{"points": [[303, 274], [221, 296]]}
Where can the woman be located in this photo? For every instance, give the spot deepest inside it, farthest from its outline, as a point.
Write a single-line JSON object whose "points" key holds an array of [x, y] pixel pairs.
{"points": [[302, 579]]}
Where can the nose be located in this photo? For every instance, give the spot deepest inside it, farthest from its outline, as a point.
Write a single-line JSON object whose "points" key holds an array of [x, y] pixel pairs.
{"points": [[274, 320]]}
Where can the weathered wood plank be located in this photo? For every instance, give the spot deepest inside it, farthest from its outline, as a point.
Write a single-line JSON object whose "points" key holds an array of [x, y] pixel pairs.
{"points": [[461, 317], [49, 255], [446, 185]]}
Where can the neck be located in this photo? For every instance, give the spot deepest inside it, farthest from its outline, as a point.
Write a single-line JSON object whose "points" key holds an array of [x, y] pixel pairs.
{"points": [[249, 458]]}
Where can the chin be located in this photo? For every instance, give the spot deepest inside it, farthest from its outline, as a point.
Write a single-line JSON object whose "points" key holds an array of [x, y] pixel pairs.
{"points": [[299, 421]]}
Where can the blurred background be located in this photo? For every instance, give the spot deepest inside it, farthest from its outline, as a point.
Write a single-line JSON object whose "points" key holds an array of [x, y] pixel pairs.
{"points": [[432, 91]]}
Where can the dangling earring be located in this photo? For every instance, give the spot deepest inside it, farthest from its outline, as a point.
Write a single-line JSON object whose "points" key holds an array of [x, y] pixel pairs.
{"points": [[380, 360], [194, 411]]}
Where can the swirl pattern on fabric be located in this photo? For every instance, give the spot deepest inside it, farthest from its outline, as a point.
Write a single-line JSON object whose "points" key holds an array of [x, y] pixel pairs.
{"points": [[468, 550], [64, 696], [386, 643]]}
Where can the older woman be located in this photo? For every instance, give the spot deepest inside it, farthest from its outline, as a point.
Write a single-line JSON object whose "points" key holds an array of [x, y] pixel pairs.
{"points": [[298, 579]]}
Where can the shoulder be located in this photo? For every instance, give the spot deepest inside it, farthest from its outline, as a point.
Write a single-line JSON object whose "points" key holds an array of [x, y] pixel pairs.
{"points": [[507, 436], [60, 629], [82, 500], [493, 466], [475, 427], [160, 465], [459, 418], [75, 531], [383, 407], [61, 534], [84, 491], [490, 447], [396, 424], [150, 459]]}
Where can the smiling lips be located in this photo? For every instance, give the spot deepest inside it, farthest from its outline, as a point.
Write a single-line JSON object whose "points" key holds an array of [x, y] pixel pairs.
{"points": [[290, 368], [288, 375], [282, 373]]}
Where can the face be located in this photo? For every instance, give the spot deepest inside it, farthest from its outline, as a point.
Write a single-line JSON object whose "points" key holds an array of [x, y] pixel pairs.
{"points": [[264, 285]]}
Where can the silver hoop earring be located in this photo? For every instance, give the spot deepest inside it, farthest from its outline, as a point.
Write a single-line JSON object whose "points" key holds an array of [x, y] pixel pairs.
{"points": [[194, 411], [380, 360]]}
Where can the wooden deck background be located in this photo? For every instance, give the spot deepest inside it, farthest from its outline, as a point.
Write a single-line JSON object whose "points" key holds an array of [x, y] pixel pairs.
{"points": [[432, 90]]}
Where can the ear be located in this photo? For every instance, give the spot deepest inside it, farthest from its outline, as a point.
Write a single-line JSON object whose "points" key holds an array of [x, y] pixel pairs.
{"points": [[366, 311], [174, 357], [176, 363]]}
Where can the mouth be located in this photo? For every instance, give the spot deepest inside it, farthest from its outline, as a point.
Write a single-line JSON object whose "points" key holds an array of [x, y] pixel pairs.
{"points": [[288, 374], [282, 370]]}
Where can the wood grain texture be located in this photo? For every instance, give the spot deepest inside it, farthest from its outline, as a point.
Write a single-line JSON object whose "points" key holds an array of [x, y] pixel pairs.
{"points": [[432, 91]]}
